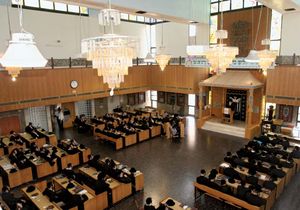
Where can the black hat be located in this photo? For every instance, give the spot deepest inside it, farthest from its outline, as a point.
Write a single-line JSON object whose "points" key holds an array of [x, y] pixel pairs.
{"points": [[148, 200], [70, 185], [170, 202], [81, 146], [132, 170], [30, 189], [231, 180], [13, 170]]}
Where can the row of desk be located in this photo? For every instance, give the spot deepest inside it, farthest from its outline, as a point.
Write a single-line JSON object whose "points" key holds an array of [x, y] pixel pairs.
{"points": [[119, 190], [39, 167], [269, 196], [121, 140]]}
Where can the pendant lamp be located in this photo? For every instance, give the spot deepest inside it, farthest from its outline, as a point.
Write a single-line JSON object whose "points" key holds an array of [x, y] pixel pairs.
{"points": [[22, 51], [162, 59]]}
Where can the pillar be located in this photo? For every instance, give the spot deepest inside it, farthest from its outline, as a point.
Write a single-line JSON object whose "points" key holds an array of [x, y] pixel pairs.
{"points": [[250, 107]]}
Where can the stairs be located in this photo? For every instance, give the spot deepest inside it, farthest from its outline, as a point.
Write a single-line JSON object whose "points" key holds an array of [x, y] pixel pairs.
{"points": [[224, 128]]}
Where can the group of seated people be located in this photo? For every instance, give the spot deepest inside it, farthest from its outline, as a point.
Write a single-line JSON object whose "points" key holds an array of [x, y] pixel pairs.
{"points": [[32, 131], [80, 123], [14, 202], [107, 169], [263, 155], [162, 206], [70, 146]]}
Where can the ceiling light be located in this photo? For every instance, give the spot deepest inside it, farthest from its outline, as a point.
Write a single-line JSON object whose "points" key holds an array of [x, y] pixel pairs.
{"points": [[252, 57], [22, 52], [162, 59], [111, 54]]}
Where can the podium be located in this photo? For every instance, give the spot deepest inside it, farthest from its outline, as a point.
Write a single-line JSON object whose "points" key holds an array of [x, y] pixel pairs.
{"points": [[227, 116]]}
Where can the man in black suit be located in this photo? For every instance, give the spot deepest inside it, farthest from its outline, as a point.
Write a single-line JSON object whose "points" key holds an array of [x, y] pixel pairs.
{"points": [[225, 188], [9, 198], [212, 183], [148, 205], [51, 193], [254, 199], [232, 173], [242, 191], [100, 185], [202, 179]]}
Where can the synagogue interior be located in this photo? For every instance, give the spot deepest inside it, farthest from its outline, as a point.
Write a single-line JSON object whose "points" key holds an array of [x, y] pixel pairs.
{"points": [[149, 105]]}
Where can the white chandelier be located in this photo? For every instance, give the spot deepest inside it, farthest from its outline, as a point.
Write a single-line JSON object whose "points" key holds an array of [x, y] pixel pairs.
{"points": [[21, 52], [162, 58], [110, 54], [220, 56], [266, 57]]}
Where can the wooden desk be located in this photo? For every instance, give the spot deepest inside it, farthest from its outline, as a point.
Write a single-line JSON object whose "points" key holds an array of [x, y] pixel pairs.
{"points": [[226, 197], [143, 135], [42, 167], [118, 142], [6, 141], [139, 176], [2, 152], [83, 152], [62, 182], [17, 178], [155, 131], [65, 158], [119, 190], [268, 195], [39, 200], [177, 206], [50, 137], [130, 139], [28, 139]]}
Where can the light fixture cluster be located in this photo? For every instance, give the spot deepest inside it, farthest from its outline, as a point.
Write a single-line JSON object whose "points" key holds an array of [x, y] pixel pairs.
{"points": [[111, 54]]}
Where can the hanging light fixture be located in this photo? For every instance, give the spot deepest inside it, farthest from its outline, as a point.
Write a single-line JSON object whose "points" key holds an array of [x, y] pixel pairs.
{"points": [[149, 58], [22, 51], [162, 59], [220, 56], [253, 56], [267, 57], [110, 54]]}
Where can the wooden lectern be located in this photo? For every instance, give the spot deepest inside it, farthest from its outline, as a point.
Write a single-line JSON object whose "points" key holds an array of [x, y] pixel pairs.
{"points": [[227, 116]]}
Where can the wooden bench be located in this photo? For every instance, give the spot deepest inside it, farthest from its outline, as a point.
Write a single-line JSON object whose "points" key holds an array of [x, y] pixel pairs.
{"points": [[130, 139], [28, 139], [50, 137]]}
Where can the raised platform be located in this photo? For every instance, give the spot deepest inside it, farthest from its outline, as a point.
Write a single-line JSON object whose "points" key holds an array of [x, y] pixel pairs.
{"points": [[238, 128]]}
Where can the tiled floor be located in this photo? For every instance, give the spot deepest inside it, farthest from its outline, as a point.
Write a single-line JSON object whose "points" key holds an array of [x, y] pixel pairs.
{"points": [[171, 167]]}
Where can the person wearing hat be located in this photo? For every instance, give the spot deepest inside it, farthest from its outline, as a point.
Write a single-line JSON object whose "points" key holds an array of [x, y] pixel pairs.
{"points": [[202, 179], [100, 185], [170, 203], [148, 205], [51, 193], [8, 197]]}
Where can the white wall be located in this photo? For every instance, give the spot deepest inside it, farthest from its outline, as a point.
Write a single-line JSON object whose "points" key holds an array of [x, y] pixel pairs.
{"points": [[290, 34], [176, 37], [58, 35]]}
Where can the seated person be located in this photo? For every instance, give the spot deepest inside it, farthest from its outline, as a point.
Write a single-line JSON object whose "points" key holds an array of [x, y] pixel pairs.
{"points": [[69, 172], [254, 198], [251, 179], [228, 158], [225, 188], [148, 205], [100, 185], [93, 161], [212, 183], [296, 153], [31, 130], [34, 148], [14, 137], [232, 173], [9, 198], [51, 193], [202, 179], [242, 190]]}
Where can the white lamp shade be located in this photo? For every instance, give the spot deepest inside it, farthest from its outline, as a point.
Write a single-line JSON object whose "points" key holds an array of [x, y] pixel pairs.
{"points": [[22, 53], [149, 58], [252, 57]]}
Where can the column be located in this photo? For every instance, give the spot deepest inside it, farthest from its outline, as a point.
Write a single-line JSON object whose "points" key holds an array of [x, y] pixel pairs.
{"points": [[200, 114], [250, 107]]}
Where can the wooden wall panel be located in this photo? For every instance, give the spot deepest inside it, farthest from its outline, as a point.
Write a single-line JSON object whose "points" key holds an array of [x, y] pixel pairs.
{"points": [[52, 86], [239, 25], [257, 104], [9, 123], [217, 101], [283, 85]]}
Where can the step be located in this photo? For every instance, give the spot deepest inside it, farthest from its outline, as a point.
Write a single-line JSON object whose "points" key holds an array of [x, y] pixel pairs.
{"points": [[224, 129]]}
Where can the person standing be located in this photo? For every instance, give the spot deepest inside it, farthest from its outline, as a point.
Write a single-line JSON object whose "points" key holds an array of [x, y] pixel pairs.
{"points": [[60, 118]]}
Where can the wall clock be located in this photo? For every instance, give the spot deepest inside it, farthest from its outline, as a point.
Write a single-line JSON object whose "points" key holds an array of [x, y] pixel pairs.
{"points": [[74, 84]]}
